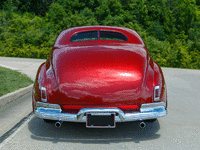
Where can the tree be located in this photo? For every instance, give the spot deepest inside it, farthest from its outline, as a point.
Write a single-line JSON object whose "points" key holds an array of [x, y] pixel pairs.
{"points": [[39, 7], [70, 6], [56, 13], [184, 12], [157, 30]]}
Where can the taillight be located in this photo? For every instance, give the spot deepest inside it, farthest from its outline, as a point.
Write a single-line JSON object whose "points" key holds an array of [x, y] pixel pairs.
{"points": [[156, 93], [43, 94]]}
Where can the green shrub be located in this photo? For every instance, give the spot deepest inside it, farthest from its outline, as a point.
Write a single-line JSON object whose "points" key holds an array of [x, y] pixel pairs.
{"points": [[157, 31], [56, 13]]}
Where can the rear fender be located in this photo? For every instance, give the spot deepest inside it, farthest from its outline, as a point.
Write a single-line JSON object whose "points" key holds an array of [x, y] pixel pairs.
{"points": [[52, 85], [148, 82], [160, 81], [40, 81]]}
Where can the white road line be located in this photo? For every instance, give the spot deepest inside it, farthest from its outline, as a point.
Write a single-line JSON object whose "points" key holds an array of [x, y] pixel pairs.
{"points": [[19, 129], [9, 67]]}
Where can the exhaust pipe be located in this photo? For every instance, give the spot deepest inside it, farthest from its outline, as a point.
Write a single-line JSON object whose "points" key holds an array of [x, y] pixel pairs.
{"points": [[58, 124], [142, 124]]}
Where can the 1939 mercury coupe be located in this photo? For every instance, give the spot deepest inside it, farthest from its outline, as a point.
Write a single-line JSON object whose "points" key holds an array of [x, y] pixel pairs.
{"points": [[99, 75]]}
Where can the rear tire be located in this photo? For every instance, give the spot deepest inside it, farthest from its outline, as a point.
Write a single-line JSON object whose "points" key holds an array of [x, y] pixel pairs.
{"points": [[49, 121]]}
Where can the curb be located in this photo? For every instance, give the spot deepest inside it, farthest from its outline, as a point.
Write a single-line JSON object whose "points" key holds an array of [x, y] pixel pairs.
{"points": [[14, 95]]}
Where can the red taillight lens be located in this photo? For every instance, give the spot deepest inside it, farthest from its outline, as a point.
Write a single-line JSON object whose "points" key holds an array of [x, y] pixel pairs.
{"points": [[43, 94], [74, 109], [100, 106], [156, 93]]}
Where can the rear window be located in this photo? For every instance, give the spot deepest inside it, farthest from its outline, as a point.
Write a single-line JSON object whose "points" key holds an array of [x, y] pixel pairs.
{"points": [[112, 35], [84, 36]]}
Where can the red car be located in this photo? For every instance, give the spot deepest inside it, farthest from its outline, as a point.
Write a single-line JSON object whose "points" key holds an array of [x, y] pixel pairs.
{"points": [[99, 75]]}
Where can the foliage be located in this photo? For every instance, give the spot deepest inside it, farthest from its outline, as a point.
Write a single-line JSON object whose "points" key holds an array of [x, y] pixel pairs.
{"points": [[56, 13], [157, 31], [170, 29]]}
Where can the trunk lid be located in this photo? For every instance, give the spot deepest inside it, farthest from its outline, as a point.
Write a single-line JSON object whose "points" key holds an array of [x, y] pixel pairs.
{"points": [[100, 74]]}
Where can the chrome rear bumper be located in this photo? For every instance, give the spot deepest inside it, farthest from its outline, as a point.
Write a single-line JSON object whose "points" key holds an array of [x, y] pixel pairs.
{"points": [[53, 112]]}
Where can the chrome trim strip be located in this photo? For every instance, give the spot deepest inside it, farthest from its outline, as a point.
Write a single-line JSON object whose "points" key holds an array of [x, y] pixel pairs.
{"points": [[153, 104], [48, 105], [54, 112]]}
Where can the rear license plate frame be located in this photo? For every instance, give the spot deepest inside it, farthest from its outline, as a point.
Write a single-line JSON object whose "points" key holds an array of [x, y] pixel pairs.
{"points": [[100, 120]]}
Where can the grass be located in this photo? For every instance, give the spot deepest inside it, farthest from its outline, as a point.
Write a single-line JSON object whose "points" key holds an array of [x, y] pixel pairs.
{"points": [[12, 80]]}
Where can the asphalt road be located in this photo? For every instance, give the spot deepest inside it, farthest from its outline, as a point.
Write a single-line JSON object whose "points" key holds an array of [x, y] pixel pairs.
{"points": [[180, 129], [12, 113]]}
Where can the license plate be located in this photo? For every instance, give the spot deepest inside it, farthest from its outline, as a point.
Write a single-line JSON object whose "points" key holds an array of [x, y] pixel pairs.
{"points": [[100, 120]]}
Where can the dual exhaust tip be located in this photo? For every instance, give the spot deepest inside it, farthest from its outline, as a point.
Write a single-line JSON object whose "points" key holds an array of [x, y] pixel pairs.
{"points": [[59, 123], [142, 124]]}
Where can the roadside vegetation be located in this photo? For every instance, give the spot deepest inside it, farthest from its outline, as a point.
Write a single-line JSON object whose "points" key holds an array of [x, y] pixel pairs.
{"points": [[12, 80], [169, 28]]}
